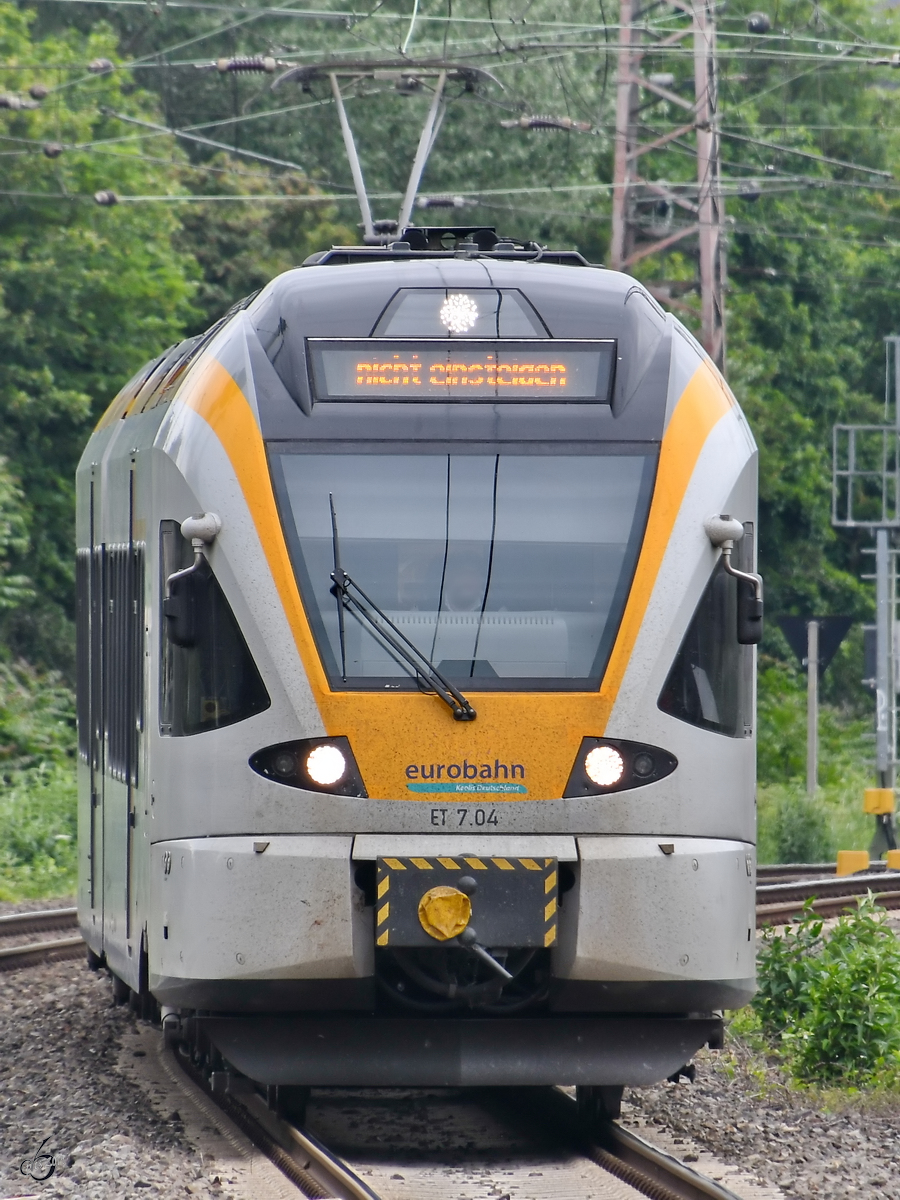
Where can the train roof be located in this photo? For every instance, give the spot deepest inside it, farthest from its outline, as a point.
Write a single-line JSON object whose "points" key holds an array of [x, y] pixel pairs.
{"points": [[349, 293]]}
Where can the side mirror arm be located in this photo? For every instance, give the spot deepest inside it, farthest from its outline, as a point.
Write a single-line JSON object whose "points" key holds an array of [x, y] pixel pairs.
{"points": [[723, 531], [179, 601]]}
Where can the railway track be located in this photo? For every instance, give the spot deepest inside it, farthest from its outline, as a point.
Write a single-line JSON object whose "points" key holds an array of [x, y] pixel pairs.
{"points": [[777, 902], [27, 939], [320, 1172], [303, 1152], [48, 937]]}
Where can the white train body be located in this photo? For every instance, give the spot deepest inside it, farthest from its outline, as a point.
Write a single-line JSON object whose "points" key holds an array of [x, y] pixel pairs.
{"points": [[605, 620]]}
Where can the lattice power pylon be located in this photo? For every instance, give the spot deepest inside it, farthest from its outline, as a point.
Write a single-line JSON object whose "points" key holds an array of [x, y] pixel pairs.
{"points": [[635, 199]]}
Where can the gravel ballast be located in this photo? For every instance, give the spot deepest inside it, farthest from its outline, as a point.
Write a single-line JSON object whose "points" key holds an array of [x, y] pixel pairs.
{"points": [[741, 1108], [64, 1075], [82, 1071]]}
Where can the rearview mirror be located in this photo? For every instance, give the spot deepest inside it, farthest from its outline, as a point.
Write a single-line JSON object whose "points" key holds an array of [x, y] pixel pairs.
{"points": [[749, 613], [182, 604]]}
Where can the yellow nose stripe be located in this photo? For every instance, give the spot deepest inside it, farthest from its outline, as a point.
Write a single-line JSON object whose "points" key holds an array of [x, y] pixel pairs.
{"points": [[503, 863], [422, 863], [383, 886], [550, 882], [550, 909], [395, 864], [529, 864], [449, 864], [476, 864]]}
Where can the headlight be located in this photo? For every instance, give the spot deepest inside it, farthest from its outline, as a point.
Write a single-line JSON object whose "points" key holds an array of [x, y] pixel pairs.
{"points": [[314, 764], [325, 764], [605, 765]]}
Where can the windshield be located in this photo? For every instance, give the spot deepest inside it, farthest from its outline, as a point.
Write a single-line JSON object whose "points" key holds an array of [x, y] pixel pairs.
{"points": [[505, 570]]}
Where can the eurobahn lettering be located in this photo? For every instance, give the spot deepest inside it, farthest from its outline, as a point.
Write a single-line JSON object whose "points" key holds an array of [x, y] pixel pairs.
{"points": [[466, 777]]}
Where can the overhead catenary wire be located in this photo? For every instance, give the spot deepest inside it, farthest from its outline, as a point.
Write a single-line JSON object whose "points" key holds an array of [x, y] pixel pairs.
{"points": [[512, 53]]}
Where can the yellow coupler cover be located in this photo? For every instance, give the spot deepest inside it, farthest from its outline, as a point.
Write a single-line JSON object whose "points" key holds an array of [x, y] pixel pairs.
{"points": [[851, 861], [444, 912], [878, 801]]}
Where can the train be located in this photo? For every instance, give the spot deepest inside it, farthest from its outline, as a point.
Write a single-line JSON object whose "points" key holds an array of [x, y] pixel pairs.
{"points": [[417, 607]]}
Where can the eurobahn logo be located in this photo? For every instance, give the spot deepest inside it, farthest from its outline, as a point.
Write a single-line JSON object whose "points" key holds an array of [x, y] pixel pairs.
{"points": [[466, 777]]}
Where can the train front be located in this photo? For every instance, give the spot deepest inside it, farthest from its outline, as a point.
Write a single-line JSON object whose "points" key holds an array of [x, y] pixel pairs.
{"points": [[495, 824]]}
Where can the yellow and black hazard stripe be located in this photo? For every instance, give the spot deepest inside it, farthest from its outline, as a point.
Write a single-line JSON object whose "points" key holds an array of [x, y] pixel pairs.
{"points": [[441, 867], [551, 887]]}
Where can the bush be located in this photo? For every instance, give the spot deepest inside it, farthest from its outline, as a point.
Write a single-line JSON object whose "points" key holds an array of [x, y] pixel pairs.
{"points": [[832, 1003], [38, 828], [794, 827], [37, 719], [38, 854], [799, 828]]}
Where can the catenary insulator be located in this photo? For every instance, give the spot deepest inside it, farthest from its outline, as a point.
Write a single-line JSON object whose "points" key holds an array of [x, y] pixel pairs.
{"points": [[39, 91], [98, 66], [256, 63], [441, 202], [545, 122], [106, 198], [52, 149]]}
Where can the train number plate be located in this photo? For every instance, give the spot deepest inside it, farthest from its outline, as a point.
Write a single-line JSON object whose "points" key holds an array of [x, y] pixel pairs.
{"points": [[507, 902]]}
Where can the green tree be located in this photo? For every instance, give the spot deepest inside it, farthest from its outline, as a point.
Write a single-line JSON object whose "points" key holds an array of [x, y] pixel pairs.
{"points": [[86, 295]]}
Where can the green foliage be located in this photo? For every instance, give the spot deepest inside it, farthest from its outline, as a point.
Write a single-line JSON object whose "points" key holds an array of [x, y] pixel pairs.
{"points": [[38, 854], [86, 295], [37, 785], [37, 721], [797, 825], [832, 1002], [14, 589], [240, 247], [793, 826]]}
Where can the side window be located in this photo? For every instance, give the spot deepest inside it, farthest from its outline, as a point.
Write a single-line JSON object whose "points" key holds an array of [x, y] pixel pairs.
{"points": [[213, 682], [123, 659], [110, 655], [83, 649], [711, 681]]}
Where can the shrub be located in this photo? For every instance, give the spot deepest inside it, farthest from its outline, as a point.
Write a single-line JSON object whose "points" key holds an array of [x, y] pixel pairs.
{"points": [[38, 822], [800, 828], [832, 1002], [38, 827]]}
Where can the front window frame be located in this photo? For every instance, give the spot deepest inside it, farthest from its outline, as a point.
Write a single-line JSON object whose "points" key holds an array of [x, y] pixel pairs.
{"points": [[649, 452]]}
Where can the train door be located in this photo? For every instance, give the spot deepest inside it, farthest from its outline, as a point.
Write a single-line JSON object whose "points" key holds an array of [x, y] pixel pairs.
{"points": [[95, 707], [122, 691]]}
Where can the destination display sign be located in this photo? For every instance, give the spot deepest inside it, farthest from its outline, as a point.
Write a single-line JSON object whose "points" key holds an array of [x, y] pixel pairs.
{"points": [[520, 372]]}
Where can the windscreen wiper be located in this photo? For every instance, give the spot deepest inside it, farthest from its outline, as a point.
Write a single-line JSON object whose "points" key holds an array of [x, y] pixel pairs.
{"points": [[350, 595]]}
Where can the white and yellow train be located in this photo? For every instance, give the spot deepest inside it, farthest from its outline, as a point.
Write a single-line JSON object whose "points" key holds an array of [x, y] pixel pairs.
{"points": [[416, 699]]}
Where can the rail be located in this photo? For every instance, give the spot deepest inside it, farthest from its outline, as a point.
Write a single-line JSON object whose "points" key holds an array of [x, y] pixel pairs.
{"points": [[29, 954]]}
